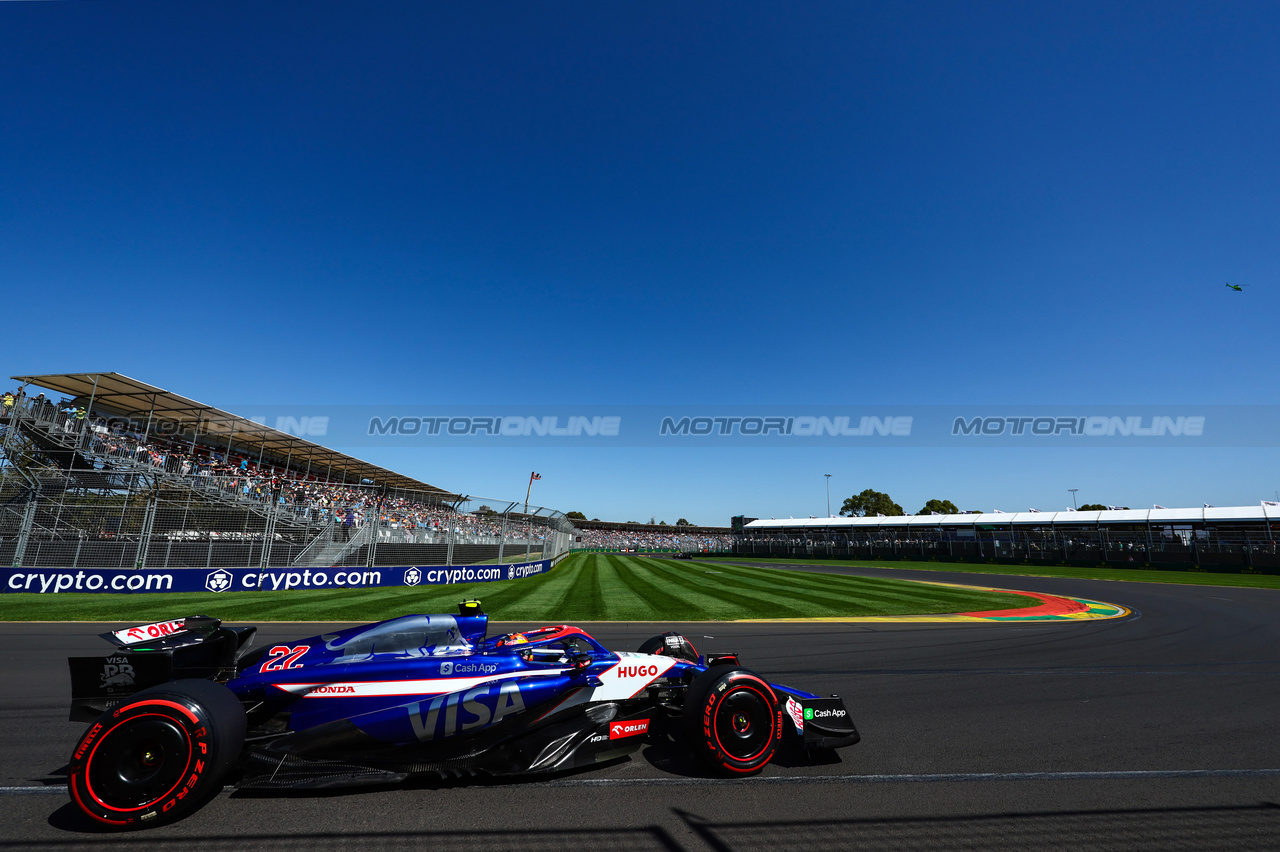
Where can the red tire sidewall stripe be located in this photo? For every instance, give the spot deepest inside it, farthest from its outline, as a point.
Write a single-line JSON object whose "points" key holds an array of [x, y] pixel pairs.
{"points": [[75, 794], [195, 720]]}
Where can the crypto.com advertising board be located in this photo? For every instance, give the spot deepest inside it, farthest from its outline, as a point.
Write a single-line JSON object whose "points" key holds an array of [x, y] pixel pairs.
{"points": [[52, 581]]}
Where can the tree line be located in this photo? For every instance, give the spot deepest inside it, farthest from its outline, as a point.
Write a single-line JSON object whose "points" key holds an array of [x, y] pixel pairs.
{"points": [[870, 503]]}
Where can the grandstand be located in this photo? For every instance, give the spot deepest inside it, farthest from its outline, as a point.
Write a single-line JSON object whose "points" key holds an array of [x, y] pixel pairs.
{"points": [[684, 538], [1239, 538], [122, 474]]}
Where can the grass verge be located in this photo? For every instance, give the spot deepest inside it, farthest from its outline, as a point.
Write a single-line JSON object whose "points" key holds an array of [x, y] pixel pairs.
{"points": [[583, 587], [1132, 575]]}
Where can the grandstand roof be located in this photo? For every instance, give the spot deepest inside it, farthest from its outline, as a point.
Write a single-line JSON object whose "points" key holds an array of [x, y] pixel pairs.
{"points": [[1207, 514], [140, 401]]}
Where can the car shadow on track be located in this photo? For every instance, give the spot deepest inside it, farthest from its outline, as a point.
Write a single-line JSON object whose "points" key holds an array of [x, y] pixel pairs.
{"points": [[1233, 827], [669, 755], [673, 756]]}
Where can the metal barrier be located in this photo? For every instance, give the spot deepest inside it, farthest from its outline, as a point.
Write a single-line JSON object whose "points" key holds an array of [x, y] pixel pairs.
{"points": [[1220, 546]]}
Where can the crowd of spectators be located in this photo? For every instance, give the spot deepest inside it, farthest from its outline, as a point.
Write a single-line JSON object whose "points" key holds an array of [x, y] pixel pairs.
{"points": [[308, 496], [1033, 543], [648, 540]]}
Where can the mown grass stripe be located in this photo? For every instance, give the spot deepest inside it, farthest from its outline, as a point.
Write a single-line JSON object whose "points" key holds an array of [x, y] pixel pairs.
{"points": [[876, 593], [639, 595], [813, 598], [542, 599], [660, 601], [826, 583], [676, 603], [581, 598], [769, 589], [584, 587], [726, 596], [1135, 574]]}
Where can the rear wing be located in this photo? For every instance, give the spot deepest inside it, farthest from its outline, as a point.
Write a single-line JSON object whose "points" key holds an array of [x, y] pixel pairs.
{"points": [[145, 634], [151, 654]]}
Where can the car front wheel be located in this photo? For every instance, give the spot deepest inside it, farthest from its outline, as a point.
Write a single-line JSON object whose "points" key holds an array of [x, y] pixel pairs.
{"points": [[733, 720]]}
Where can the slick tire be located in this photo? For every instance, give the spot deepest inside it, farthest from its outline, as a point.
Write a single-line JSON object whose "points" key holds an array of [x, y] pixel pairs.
{"points": [[732, 720], [158, 756]]}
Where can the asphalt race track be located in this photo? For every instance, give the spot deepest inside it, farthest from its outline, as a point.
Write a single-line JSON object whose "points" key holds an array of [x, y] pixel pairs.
{"points": [[1157, 731]]}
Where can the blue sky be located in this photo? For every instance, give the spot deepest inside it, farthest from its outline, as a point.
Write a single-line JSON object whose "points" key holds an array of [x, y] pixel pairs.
{"points": [[711, 203]]}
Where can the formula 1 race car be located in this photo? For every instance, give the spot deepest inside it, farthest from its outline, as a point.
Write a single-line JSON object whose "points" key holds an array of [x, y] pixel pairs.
{"points": [[182, 706]]}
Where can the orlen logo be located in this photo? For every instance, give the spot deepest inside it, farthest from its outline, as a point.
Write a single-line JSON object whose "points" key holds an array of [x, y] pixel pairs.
{"points": [[634, 728], [637, 671], [334, 690]]}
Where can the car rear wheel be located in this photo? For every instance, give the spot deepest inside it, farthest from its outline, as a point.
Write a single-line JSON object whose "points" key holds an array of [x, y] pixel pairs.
{"points": [[157, 756], [732, 720]]}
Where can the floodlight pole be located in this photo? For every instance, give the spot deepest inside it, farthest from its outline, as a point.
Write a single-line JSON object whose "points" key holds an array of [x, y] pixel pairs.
{"points": [[1073, 498], [828, 476]]}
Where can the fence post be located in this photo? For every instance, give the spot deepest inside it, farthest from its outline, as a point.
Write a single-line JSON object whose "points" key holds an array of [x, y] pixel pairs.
{"points": [[268, 536], [144, 535], [24, 531], [502, 538], [378, 506]]}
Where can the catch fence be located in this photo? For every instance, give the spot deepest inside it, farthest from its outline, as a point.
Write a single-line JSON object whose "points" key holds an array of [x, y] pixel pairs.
{"points": [[50, 519], [73, 494]]}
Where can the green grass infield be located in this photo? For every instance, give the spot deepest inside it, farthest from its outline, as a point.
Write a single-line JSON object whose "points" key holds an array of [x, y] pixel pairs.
{"points": [[1132, 575], [583, 587]]}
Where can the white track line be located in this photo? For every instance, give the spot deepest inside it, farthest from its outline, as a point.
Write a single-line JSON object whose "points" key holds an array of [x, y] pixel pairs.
{"points": [[950, 777], [947, 777]]}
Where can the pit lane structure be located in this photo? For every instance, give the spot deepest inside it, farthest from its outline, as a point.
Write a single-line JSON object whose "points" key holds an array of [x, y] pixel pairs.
{"points": [[1227, 539]]}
